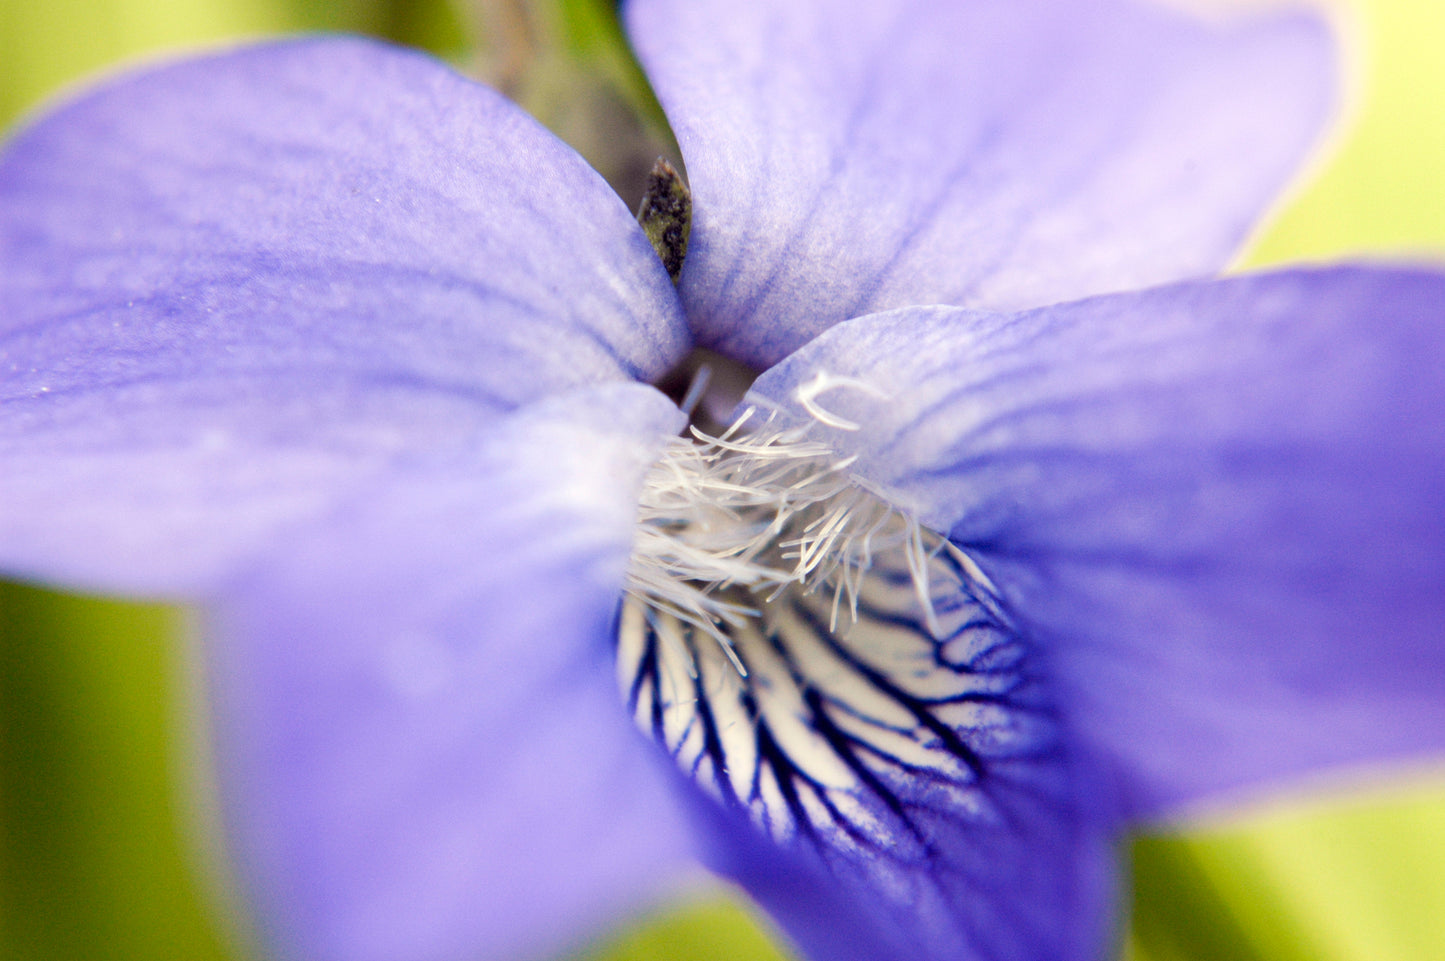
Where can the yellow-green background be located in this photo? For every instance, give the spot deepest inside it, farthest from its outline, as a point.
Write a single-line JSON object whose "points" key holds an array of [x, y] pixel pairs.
{"points": [[98, 842]]}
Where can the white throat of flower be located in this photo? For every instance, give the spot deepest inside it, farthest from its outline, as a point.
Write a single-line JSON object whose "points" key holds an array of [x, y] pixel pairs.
{"points": [[809, 653], [728, 523]]}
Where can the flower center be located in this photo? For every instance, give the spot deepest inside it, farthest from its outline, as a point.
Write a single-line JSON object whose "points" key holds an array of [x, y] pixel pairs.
{"points": [[809, 653], [728, 524]]}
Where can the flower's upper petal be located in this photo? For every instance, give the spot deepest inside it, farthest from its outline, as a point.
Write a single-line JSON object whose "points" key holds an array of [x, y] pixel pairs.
{"points": [[233, 284], [849, 156], [422, 748], [1219, 506]]}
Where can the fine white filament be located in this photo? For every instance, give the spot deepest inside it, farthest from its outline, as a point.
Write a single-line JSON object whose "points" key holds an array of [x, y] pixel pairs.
{"points": [[727, 523]]}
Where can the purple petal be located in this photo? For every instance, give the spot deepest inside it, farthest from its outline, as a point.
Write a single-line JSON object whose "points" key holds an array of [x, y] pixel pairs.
{"points": [[1037, 887], [849, 156], [235, 285], [1034, 885], [887, 792], [1219, 506], [423, 752]]}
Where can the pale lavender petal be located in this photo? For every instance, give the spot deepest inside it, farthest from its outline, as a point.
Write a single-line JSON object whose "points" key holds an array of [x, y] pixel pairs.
{"points": [[1220, 507], [849, 156], [423, 753], [235, 285]]}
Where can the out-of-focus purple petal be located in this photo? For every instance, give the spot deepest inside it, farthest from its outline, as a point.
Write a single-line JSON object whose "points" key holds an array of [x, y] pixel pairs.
{"points": [[234, 285], [849, 157], [1219, 506], [1027, 874], [423, 751]]}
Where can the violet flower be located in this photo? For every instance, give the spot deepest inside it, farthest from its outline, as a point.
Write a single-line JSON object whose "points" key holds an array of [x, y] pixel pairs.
{"points": [[348, 350]]}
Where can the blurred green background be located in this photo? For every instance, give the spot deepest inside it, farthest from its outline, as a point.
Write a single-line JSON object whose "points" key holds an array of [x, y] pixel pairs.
{"points": [[104, 849]]}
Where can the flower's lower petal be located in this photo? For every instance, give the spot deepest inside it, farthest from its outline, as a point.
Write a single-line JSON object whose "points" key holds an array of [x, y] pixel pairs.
{"points": [[1219, 506], [421, 747], [927, 812], [1028, 880], [233, 284], [849, 156], [891, 781]]}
